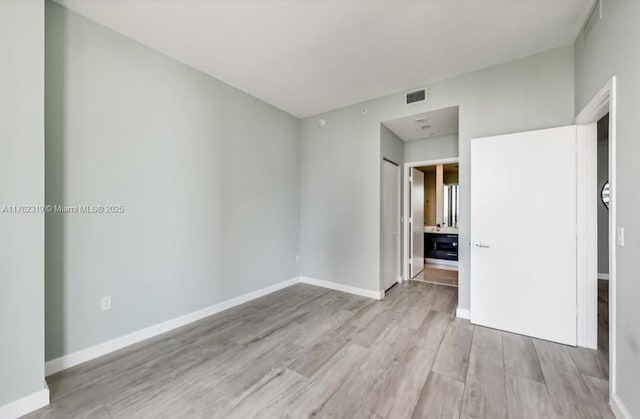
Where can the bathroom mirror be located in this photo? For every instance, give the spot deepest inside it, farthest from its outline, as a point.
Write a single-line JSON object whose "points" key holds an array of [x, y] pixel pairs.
{"points": [[605, 194], [451, 201], [451, 195]]}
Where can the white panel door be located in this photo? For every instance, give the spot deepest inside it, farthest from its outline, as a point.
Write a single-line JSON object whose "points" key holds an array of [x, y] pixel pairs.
{"points": [[417, 222], [390, 269], [523, 233]]}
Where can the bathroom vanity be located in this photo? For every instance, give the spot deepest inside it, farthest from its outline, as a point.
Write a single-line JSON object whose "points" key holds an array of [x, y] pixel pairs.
{"points": [[441, 244]]}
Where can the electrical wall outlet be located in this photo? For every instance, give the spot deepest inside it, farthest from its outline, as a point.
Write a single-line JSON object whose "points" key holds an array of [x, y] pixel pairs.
{"points": [[105, 303]]}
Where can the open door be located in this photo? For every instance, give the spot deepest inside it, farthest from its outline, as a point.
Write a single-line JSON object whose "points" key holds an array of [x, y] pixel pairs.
{"points": [[416, 221], [523, 233]]}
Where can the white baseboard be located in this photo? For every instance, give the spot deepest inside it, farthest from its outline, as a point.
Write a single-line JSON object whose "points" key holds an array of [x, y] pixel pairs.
{"points": [[25, 405], [463, 313], [603, 276], [93, 352], [378, 295], [84, 355], [618, 408]]}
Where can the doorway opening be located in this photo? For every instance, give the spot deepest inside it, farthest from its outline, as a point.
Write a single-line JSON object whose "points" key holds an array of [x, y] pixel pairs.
{"points": [[603, 195], [425, 147], [441, 214], [597, 306]]}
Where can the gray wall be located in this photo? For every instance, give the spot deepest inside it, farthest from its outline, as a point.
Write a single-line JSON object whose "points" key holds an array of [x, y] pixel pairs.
{"points": [[21, 183], [340, 163], [433, 148], [208, 176], [611, 49], [391, 146], [603, 212]]}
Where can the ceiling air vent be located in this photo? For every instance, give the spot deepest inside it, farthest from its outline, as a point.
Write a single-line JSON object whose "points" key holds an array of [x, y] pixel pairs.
{"points": [[416, 96]]}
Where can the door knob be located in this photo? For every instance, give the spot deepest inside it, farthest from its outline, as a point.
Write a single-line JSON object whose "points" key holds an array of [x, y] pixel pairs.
{"points": [[480, 245]]}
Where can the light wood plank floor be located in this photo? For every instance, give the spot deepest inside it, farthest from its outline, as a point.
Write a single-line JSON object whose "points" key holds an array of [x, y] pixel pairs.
{"points": [[306, 351]]}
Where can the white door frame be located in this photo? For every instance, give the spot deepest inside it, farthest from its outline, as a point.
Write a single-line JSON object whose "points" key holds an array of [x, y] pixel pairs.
{"points": [[406, 234], [602, 103]]}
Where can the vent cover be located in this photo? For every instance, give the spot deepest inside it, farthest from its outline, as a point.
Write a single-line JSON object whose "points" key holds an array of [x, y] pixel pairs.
{"points": [[416, 96]]}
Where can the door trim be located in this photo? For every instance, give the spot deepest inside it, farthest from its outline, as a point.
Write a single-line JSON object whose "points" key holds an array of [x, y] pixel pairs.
{"points": [[406, 234], [602, 103]]}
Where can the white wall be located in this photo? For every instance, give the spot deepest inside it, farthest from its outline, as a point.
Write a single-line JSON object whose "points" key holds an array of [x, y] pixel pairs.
{"points": [[432, 148], [340, 163], [208, 176], [611, 49], [21, 183]]}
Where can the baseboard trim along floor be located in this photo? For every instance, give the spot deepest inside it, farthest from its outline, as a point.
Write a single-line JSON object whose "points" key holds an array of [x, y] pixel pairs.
{"points": [[618, 408], [378, 295], [463, 313], [25, 405], [93, 352]]}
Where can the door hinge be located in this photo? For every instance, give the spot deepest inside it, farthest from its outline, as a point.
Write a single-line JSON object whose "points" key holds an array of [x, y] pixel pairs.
{"points": [[410, 179], [410, 261], [410, 220]]}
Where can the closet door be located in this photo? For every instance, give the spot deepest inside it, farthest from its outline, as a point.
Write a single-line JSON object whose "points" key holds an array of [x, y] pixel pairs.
{"points": [[390, 224]]}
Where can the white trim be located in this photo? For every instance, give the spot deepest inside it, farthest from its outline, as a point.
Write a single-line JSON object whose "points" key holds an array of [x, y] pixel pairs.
{"points": [[463, 313], [603, 276], [405, 216], [25, 405], [605, 101], [88, 354], [377, 295], [618, 408], [587, 236], [84, 355]]}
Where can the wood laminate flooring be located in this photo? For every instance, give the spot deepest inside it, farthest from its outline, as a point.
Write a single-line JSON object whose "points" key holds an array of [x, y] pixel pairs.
{"points": [[310, 352]]}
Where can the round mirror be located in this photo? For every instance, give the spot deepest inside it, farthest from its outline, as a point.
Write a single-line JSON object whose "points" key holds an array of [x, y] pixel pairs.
{"points": [[605, 194]]}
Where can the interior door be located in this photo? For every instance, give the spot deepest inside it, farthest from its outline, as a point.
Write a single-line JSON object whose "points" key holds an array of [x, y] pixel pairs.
{"points": [[417, 222], [523, 233], [390, 224]]}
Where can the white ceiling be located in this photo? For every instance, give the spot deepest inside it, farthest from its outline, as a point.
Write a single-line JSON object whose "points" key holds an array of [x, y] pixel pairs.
{"points": [[310, 56], [425, 124]]}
